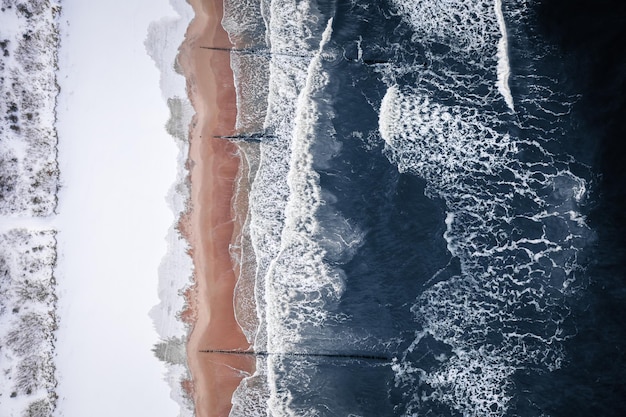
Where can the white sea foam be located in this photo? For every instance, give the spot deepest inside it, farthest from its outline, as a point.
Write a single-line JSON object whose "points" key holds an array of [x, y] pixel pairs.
{"points": [[298, 283], [504, 69], [293, 282], [475, 33], [469, 159], [289, 29], [510, 225], [462, 25], [243, 20], [299, 266]]}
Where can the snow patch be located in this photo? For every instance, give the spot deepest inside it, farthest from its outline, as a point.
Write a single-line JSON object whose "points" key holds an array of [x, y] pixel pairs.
{"points": [[27, 322]]}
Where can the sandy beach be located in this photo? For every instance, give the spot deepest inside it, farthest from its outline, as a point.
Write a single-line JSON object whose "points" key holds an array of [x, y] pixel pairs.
{"points": [[209, 225]]}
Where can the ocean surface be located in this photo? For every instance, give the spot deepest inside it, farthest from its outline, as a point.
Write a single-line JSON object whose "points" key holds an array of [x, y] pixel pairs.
{"points": [[436, 222], [436, 216]]}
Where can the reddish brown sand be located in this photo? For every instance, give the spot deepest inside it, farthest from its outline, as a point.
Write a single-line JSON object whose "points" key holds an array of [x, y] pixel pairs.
{"points": [[209, 225]]}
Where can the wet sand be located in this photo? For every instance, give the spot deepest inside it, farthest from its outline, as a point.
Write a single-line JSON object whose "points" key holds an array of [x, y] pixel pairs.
{"points": [[209, 224]]}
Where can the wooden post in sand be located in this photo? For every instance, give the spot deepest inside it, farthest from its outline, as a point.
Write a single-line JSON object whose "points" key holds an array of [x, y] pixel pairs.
{"points": [[265, 52], [208, 225], [254, 51], [356, 356]]}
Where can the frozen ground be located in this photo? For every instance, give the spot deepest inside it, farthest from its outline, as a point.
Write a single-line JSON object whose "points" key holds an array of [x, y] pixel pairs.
{"points": [[27, 323], [29, 175], [118, 165], [29, 181], [85, 222]]}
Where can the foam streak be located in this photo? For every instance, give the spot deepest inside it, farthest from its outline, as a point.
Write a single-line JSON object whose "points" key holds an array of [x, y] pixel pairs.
{"points": [[504, 69]]}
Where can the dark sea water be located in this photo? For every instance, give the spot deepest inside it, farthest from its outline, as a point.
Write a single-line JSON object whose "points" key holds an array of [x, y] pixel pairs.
{"points": [[436, 212]]}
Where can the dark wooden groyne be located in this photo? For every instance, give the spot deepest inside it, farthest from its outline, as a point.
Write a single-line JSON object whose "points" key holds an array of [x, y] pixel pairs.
{"points": [[256, 51], [247, 137], [266, 52], [356, 356]]}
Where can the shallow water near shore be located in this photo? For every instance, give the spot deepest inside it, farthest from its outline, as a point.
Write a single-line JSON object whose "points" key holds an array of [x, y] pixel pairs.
{"points": [[424, 186]]}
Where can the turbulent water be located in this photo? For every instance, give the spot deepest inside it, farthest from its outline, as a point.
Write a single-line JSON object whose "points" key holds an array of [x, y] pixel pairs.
{"points": [[435, 223], [420, 210]]}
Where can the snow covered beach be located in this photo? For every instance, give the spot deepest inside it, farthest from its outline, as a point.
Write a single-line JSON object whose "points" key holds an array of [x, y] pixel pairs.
{"points": [[84, 219]]}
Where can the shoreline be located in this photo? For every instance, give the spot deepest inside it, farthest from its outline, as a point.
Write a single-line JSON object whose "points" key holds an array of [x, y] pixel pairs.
{"points": [[209, 225]]}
